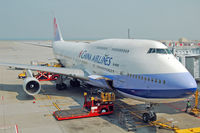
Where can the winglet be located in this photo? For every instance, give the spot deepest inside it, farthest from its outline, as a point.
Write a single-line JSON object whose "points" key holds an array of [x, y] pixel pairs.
{"points": [[57, 33]]}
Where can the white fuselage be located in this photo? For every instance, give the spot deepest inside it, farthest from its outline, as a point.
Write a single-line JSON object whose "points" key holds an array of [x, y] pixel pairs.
{"points": [[135, 72]]}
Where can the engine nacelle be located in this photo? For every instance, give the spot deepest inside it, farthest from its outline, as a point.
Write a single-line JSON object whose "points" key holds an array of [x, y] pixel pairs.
{"points": [[31, 86]]}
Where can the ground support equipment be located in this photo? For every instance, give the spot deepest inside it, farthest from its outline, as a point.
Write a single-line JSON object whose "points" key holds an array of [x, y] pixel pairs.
{"points": [[46, 76], [196, 111], [91, 108], [168, 125]]}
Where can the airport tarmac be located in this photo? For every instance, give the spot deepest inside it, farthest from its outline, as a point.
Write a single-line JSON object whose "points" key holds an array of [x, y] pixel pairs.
{"points": [[26, 114]]}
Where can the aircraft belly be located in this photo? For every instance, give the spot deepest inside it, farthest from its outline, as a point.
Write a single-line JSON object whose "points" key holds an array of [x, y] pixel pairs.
{"points": [[163, 94]]}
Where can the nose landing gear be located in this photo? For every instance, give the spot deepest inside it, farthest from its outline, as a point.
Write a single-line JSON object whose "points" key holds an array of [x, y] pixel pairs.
{"points": [[150, 115]]}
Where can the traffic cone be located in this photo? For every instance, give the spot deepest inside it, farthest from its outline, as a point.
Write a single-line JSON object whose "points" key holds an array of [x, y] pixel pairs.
{"points": [[34, 100]]}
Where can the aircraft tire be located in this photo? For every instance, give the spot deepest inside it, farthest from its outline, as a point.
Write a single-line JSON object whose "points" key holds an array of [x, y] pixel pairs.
{"points": [[154, 118], [61, 86], [146, 117], [74, 83], [58, 86]]}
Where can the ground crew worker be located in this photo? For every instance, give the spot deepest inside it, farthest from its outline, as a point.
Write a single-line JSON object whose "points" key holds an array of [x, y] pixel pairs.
{"points": [[188, 106]]}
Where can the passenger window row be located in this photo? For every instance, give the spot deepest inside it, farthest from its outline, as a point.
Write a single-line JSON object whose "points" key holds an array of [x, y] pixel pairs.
{"points": [[159, 51], [149, 79], [102, 48], [120, 50]]}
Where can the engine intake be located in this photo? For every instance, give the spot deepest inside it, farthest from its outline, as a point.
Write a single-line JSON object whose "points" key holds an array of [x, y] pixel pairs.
{"points": [[31, 86]]}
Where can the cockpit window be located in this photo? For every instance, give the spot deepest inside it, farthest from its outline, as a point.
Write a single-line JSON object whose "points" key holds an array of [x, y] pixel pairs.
{"points": [[153, 51], [159, 51], [168, 51]]}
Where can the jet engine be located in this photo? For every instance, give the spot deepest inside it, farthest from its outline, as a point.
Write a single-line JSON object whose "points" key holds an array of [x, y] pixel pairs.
{"points": [[31, 86]]}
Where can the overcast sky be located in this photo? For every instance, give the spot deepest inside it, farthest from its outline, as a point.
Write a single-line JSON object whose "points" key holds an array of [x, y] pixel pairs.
{"points": [[100, 19]]}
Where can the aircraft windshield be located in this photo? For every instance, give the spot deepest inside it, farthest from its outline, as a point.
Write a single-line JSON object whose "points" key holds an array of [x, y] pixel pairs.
{"points": [[159, 51]]}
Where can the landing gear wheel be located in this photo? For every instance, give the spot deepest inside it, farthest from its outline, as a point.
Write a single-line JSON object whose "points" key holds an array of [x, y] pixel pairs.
{"points": [[74, 83], [61, 86], [146, 117], [150, 115], [154, 117]]}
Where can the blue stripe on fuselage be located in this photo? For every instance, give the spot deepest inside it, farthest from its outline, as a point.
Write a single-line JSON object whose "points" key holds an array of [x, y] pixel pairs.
{"points": [[177, 85], [159, 93]]}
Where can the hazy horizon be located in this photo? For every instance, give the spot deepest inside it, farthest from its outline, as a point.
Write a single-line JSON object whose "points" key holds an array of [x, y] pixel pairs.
{"points": [[92, 19]]}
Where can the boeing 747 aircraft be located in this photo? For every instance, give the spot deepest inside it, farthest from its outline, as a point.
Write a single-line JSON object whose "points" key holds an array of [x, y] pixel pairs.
{"points": [[140, 69]]}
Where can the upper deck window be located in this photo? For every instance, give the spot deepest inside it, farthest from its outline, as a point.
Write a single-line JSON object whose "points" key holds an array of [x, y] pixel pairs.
{"points": [[159, 51], [120, 50]]}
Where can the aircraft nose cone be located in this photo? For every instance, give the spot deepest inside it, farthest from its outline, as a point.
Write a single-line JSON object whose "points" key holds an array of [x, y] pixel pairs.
{"points": [[187, 84]]}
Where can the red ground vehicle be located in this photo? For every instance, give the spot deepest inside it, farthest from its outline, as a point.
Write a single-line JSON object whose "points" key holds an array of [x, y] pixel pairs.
{"points": [[91, 108], [46, 76]]}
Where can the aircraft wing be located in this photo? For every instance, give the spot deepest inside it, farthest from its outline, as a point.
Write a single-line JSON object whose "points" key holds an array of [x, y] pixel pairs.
{"points": [[75, 73], [95, 80], [39, 44]]}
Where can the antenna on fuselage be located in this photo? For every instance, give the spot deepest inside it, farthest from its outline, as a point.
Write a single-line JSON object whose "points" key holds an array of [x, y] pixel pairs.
{"points": [[129, 34]]}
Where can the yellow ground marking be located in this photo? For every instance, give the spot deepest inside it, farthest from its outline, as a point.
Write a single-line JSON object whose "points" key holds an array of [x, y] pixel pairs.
{"points": [[50, 99], [56, 106], [45, 98], [47, 115], [64, 104]]}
